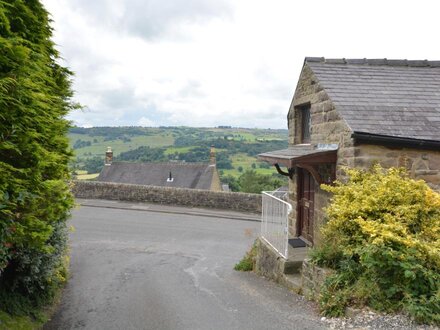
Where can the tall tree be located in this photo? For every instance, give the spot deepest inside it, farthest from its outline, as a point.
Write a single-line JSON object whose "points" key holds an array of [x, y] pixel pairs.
{"points": [[35, 96]]}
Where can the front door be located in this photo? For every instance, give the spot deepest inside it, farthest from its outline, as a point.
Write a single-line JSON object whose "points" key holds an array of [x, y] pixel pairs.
{"points": [[306, 197]]}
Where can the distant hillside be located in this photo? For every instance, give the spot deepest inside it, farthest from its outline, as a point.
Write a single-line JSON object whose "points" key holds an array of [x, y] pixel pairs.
{"points": [[237, 148]]}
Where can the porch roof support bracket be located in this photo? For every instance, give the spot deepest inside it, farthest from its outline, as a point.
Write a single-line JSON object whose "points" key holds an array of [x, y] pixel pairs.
{"points": [[290, 171], [313, 171]]}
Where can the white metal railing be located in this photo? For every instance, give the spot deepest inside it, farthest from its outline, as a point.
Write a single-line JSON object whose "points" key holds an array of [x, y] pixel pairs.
{"points": [[275, 221]]}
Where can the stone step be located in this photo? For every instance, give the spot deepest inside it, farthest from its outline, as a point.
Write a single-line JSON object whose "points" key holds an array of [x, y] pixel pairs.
{"points": [[293, 282], [293, 265]]}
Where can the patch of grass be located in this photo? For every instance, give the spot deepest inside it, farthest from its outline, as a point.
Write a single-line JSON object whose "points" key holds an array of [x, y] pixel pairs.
{"points": [[248, 262], [8, 322], [87, 176]]}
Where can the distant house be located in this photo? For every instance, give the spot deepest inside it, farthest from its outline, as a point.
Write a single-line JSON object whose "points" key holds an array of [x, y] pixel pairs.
{"points": [[180, 175], [354, 113]]}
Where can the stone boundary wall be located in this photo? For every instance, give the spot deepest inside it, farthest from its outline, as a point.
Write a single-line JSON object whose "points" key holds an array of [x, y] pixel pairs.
{"points": [[313, 278], [165, 195]]}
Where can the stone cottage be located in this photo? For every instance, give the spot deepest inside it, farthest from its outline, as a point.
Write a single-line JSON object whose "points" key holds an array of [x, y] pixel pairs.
{"points": [[172, 174], [354, 113]]}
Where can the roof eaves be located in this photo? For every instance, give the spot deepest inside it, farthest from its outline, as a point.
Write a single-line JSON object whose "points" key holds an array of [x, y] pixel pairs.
{"points": [[368, 138]]}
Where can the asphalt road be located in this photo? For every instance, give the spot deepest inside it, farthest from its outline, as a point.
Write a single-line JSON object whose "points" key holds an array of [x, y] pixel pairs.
{"points": [[141, 269]]}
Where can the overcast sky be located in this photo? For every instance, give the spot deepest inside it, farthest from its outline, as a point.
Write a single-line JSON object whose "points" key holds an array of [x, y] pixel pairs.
{"points": [[221, 62]]}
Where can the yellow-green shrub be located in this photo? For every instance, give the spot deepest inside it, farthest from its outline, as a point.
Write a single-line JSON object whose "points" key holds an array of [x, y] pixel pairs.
{"points": [[383, 238]]}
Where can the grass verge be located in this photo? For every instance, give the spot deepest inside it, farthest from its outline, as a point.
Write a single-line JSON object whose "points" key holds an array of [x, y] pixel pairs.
{"points": [[8, 322], [34, 319], [247, 264]]}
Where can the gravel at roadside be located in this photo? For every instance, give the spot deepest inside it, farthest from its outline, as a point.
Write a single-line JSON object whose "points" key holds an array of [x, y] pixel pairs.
{"points": [[366, 319]]}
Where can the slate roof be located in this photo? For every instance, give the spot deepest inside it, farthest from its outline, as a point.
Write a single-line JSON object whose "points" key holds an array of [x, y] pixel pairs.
{"points": [[396, 98], [185, 175]]}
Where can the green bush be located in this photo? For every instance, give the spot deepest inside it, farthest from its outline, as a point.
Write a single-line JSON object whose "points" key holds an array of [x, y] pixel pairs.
{"points": [[383, 239], [34, 196]]}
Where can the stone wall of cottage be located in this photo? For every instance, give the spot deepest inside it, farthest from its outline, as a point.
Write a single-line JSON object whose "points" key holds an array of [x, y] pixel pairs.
{"points": [[326, 124], [421, 164], [169, 196], [326, 127]]}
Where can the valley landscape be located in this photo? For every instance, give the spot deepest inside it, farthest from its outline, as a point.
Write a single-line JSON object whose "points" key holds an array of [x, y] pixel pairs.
{"points": [[236, 150]]}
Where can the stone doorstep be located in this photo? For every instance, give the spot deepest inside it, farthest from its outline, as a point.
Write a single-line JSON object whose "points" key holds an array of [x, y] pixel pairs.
{"points": [[292, 269], [286, 272], [297, 274], [292, 277], [293, 264]]}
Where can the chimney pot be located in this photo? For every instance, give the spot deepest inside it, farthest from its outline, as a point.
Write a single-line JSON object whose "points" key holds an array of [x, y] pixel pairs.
{"points": [[170, 178], [108, 157]]}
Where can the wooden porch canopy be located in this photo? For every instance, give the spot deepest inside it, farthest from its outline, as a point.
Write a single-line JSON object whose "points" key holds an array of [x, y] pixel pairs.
{"points": [[319, 160]]}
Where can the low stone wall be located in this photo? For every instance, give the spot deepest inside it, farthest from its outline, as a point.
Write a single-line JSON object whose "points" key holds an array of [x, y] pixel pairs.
{"points": [[313, 278], [269, 263], [170, 196]]}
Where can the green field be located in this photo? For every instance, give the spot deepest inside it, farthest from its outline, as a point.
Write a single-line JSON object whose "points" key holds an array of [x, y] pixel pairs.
{"points": [[87, 176], [100, 144], [173, 150], [246, 162]]}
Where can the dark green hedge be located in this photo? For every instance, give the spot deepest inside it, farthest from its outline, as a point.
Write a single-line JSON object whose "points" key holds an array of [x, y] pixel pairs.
{"points": [[34, 197]]}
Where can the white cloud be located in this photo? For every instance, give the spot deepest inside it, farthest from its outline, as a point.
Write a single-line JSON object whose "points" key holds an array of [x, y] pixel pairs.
{"points": [[207, 63], [145, 122]]}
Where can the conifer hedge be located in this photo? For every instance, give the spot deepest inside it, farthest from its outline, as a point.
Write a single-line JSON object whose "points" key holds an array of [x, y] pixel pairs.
{"points": [[35, 96]]}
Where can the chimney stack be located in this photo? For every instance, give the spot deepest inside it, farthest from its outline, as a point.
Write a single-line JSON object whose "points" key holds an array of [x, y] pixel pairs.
{"points": [[108, 157], [212, 160]]}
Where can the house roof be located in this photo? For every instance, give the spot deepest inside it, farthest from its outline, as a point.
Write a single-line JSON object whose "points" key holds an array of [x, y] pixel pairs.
{"points": [[390, 98], [184, 175]]}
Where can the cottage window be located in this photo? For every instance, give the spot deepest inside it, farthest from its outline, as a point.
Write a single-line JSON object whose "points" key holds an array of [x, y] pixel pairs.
{"points": [[305, 120]]}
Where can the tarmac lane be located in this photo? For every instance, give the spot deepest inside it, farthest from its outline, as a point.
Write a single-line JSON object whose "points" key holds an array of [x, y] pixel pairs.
{"points": [[142, 269]]}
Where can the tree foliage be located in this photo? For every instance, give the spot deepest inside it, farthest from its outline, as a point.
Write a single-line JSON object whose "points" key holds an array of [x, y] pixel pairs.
{"points": [[231, 181], [35, 96], [252, 182], [383, 239], [143, 154]]}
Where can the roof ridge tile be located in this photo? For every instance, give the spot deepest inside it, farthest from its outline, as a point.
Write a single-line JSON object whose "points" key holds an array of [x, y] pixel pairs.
{"points": [[374, 61]]}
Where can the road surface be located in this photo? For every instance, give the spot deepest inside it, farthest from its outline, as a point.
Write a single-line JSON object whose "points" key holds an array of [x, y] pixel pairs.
{"points": [[133, 267]]}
